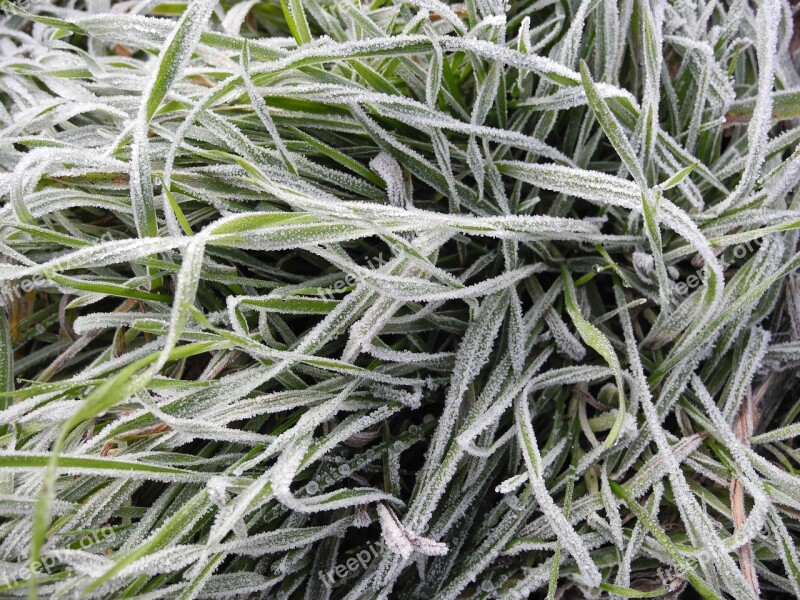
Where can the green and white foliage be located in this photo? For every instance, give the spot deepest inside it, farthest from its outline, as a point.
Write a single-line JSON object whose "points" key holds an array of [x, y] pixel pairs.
{"points": [[399, 299]]}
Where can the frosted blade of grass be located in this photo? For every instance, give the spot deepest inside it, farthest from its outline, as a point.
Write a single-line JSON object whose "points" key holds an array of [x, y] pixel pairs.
{"points": [[750, 361], [601, 188], [692, 343], [766, 31], [176, 210], [561, 526], [698, 523], [528, 381], [176, 53], [599, 342], [612, 128], [776, 435], [99, 467], [235, 16], [749, 477], [652, 47], [143, 203], [172, 60], [472, 354], [172, 530], [105, 396], [296, 18], [6, 360], [638, 534], [612, 511], [284, 539], [627, 154], [442, 10], [433, 82], [787, 550], [658, 533], [677, 177], [261, 108]]}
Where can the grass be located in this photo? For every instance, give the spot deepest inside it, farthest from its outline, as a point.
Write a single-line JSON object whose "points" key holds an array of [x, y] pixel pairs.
{"points": [[509, 288]]}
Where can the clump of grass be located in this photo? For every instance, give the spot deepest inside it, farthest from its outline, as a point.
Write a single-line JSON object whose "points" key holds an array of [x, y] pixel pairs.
{"points": [[508, 286]]}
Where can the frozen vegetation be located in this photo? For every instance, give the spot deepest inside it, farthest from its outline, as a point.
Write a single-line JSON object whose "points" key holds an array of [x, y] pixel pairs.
{"points": [[331, 299]]}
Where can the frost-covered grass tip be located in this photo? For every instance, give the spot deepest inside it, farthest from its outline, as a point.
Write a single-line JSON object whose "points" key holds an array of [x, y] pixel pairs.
{"points": [[401, 299]]}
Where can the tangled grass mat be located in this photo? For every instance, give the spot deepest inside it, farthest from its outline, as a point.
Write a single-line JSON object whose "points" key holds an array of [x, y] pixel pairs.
{"points": [[312, 299]]}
